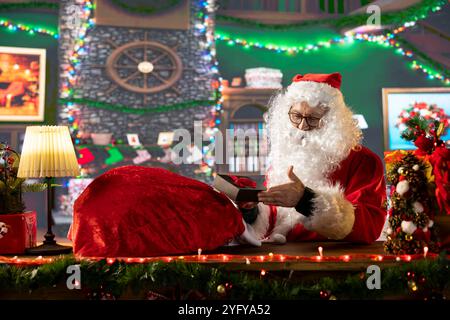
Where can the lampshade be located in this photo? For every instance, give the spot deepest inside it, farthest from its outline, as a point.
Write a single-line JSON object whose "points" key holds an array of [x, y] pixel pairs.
{"points": [[48, 152]]}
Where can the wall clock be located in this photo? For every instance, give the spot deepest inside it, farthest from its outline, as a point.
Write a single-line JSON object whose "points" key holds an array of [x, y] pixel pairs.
{"points": [[144, 66]]}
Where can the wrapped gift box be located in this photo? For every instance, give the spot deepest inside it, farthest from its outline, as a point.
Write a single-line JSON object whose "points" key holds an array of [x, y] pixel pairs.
{"points": [[17, 232], [227, 185], [263, 78]]}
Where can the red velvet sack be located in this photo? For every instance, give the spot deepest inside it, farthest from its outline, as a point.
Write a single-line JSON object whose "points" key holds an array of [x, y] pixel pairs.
{"points": [[139, 212]]}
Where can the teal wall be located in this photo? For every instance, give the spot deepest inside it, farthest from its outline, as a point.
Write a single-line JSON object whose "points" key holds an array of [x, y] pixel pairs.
{"points": [[366, 68], [22, 39]]}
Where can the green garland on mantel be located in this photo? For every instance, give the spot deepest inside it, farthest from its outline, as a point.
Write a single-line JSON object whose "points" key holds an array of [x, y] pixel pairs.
{"points": [[423, 56], [415, 12], [5, 6], [125, 109], [422, 279]]}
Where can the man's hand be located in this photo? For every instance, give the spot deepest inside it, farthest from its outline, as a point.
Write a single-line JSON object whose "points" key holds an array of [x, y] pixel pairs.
{"points": [[284, 195]]}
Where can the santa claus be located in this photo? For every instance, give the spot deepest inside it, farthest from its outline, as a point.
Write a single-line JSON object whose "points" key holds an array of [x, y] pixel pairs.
{"points": [[322, 184]]}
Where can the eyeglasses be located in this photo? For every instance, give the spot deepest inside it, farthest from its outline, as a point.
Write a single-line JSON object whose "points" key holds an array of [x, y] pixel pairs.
{"points": [[297, 118]]}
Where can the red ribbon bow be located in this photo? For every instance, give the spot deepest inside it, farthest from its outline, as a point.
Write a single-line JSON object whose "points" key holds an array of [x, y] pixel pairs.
{"points": [[243, 182]]}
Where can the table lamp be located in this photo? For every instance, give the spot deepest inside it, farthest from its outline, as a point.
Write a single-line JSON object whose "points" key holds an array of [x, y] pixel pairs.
{"points": [[48, 153]]}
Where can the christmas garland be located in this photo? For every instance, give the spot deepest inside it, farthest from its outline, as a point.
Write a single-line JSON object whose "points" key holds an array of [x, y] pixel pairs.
{"points": [[105, 279], [423, 56], [29, 5], [146, 9], [418, 11], [126, 109], [12, 26]]}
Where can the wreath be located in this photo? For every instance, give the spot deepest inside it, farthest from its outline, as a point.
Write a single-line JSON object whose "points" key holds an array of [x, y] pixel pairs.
{"points": [[423, 110]]}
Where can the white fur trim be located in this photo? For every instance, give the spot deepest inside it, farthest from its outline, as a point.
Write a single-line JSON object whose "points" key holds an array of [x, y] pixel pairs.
{"points": [[285, 221], [333, 215], [248, 236], [261, 224], [314, 93]]}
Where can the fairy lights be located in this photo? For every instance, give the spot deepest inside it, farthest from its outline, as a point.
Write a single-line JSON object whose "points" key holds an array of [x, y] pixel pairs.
{"points": [[32, 30], [227, 258], [69, 76], [205, 28], [387, 40]]}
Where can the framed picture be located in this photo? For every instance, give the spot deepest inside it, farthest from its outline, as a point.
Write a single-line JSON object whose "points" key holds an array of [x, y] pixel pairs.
{"points": [[22, 84], [399, 104]]}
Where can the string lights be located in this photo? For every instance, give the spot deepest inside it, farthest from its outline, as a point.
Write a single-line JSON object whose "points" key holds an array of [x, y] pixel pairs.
{"points": [[228, 258], [69, 76], [27, 28], [387, 40], [205, 28]]}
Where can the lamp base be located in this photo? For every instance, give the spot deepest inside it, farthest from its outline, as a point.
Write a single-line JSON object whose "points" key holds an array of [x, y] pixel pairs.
{"points": [[49, 249]]}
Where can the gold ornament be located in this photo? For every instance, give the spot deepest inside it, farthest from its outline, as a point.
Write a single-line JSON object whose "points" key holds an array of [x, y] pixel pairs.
{"points": [[408, 237], [440, 129], [221, 289], [333, 297], [412, 285]]}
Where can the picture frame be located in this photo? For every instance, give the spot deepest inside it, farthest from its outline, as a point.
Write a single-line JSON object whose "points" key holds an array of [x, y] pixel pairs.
{"points": [[397, 102], [22, 84]]}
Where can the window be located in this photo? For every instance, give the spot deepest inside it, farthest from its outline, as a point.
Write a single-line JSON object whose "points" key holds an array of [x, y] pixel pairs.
{"points": [[247, 144]]}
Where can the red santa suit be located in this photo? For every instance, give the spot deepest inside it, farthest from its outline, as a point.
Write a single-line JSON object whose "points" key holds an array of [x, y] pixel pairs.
{"points": [[357, 205], [346, 187]]}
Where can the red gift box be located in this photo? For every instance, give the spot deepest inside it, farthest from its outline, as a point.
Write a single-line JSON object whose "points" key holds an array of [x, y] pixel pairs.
{"points": [[17, 232]]}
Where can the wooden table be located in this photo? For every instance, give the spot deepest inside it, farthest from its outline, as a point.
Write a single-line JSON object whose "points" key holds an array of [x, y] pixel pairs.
{"points": [[362, 254]]}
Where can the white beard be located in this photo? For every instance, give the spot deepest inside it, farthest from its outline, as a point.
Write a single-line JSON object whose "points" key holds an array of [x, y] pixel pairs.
{"points": [[314, 154]]}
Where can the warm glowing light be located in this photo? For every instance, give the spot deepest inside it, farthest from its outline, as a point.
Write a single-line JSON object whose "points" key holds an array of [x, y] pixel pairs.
{"points": [[263, 272], [320, 251], [425, 252]]}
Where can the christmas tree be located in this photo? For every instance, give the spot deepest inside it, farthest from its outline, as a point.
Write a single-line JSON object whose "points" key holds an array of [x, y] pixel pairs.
{"points": [[419, 184]]}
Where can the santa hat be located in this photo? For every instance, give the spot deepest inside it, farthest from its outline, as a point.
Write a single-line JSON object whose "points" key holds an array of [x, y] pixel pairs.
{"points": [[333, 79], [315, 88]]}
